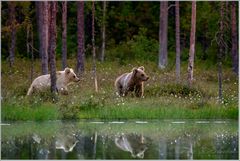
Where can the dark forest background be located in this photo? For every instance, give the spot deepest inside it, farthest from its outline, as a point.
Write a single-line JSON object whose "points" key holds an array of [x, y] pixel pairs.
{"points": [[132, 30]]}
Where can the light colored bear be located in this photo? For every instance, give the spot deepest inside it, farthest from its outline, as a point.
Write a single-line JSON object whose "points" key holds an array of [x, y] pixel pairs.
{"points": [[132, 81], [133, 143], [64, 78]]}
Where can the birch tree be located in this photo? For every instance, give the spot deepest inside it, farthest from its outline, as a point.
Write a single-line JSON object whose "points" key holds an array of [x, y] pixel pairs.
{"points": [[192, 45], [93, 49]]}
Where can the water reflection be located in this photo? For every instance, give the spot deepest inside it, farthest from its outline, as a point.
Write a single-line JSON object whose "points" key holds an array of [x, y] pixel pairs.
{"points": [[153, 140], [132, 143]]}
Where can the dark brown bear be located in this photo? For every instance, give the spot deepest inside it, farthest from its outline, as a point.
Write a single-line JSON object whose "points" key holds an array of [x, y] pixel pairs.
{"points": [[133, 81]]}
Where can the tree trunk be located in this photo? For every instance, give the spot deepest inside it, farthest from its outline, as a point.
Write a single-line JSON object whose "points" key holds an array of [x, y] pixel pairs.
{"points": [[103, 32], [235, 56], [95, 146], [80, 35], [45, 38], [11, 6], [42, 18], [38, 6], [220, 54], [163, 33], [93, 50], [64, 34], [177, 41], [32, 56], [27, 40], [52, 44], [30, 44], [192, 44]]}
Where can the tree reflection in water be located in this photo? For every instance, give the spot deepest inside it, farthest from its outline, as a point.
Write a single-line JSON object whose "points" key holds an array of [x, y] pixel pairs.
{"points": [[74, 140]]}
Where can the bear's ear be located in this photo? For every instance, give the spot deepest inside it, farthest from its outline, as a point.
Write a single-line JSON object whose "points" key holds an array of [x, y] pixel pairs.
{"points": [[67, 70], [142, 68], [134, 70]]}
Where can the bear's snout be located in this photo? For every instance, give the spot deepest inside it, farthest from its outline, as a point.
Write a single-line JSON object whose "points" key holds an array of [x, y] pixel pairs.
{"points": [[77, 79], [146, 78]]}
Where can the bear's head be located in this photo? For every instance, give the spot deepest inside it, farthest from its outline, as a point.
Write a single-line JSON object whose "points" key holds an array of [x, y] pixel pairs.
{"points": [[139, 74], [72, 77]]}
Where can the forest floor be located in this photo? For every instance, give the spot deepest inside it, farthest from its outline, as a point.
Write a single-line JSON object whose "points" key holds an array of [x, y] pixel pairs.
{"points": [[163, 97]]}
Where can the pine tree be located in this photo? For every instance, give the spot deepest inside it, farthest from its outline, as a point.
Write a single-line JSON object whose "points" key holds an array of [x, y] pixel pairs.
{"points": [[177, 41], [64, 34], [80, 37], [163, 34], [52, 45]]}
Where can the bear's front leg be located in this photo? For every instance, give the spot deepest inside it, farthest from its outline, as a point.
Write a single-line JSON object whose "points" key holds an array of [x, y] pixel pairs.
{"points": [[139, 90], [119, 90], [63, 91], [125, 93]]}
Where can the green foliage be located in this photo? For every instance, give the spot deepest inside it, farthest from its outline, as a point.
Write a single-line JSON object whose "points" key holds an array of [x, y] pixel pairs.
{"points": [[129, 34], [140, 47], [120, 53], [143, 47]]}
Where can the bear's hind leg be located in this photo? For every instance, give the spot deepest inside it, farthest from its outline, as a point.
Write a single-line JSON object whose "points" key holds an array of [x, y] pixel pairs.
{"points": [[30, 91]]}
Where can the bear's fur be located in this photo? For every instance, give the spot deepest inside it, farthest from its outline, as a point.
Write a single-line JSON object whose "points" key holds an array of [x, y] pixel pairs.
{"points": [[64, 78], [133, 81]]}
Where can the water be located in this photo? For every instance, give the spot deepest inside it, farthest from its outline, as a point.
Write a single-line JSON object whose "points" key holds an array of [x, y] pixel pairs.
{"points": [[166, 139]]}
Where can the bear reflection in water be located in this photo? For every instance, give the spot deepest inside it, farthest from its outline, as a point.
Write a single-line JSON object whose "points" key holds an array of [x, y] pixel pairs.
{"points": [[133, 143], [66, 143]]}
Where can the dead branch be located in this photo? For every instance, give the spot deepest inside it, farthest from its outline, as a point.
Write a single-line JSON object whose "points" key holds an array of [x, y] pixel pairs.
{"points": [[32, 47], [172, 5]]}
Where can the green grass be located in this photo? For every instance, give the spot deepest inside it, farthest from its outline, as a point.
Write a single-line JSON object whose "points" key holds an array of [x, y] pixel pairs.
{"points": [[159, 113], [16, 113], [164, 98]]}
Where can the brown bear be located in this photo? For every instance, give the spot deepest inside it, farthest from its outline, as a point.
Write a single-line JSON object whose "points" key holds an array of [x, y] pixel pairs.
{"points": [[64, 78], [133, 81]]}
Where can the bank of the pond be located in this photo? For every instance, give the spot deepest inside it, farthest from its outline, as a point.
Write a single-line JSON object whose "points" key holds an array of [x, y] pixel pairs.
{"points": [[137, 111]]}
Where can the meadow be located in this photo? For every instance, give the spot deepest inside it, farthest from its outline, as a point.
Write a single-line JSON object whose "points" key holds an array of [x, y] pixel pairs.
{"points": [[164, 98]]}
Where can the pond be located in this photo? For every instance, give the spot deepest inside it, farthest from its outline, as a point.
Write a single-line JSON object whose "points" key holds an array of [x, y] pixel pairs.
{"points": [[160, 139]]}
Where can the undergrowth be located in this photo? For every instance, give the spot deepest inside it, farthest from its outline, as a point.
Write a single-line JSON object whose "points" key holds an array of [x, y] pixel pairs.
{"points": [[163, 97]]}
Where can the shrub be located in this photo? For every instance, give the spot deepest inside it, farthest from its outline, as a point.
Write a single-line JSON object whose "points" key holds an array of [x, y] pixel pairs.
{"points": [[173, 89]]}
